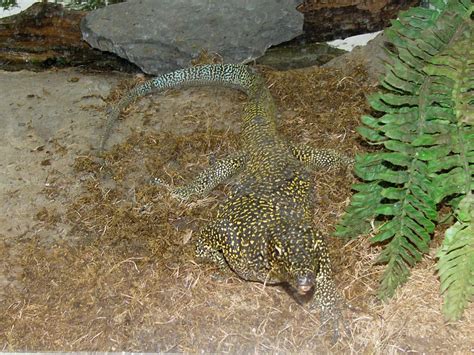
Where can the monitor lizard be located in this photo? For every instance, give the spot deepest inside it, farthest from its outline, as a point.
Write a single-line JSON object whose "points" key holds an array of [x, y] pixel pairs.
{"points": [[264, 231]]}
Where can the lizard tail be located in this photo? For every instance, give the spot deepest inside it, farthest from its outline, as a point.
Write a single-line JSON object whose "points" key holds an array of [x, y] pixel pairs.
{"points": [[236, 76]]}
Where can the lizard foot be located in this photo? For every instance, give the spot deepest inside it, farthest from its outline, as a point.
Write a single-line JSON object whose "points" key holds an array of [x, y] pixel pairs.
{"points": [[332, 320]]}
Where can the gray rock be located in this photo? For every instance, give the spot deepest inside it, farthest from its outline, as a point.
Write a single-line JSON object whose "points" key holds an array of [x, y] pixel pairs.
{"points": [[161, 36]]}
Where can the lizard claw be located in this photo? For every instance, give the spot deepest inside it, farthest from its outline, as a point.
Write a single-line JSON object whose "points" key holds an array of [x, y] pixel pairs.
{"points": [[158, 182]]}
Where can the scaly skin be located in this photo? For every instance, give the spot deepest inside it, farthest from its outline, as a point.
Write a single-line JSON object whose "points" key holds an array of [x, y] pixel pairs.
{"points": [[264, 231]]}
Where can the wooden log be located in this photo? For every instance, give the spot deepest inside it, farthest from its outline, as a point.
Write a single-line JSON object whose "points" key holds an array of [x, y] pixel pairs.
{"points": [[48, 35], [326, 20]]}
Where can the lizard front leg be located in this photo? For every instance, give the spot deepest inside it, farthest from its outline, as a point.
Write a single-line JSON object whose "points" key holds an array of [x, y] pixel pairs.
{"points": [[220, 244], [326, 295], [207, 180], [209, 246]]}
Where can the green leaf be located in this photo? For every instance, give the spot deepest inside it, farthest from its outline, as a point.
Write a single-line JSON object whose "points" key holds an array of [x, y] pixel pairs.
{"points": [[417, 235], [404, 72], [398, 146], [378, 104], [389, 210], [453, 182], [407, 116], [370, 121], [387, 231], [394, 193], [445, 114], [410, 59], [372, 187], [396, 272], [391, 81], [432, 139], [370, 134], [444, 163], [399, 100], [396, 158], [402, 132], [437, 126], [380, 172], [432, 153], [421, 205]]}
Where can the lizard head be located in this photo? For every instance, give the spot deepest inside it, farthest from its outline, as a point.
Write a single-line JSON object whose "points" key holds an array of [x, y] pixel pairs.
{"points": [[295, 256]]}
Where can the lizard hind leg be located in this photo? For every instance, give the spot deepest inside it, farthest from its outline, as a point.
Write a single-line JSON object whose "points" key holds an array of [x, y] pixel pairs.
{"points": [[326, 159]]}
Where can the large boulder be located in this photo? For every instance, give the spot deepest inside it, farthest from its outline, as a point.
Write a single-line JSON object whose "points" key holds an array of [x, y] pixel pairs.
{"points": [[161, 36]]}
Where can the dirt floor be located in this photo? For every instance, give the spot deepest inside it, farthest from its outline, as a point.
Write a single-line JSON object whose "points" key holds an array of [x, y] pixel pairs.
{"points": [[93, 257]]}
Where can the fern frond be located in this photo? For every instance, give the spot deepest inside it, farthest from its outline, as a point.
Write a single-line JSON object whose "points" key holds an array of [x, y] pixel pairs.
{"points": [[456, 261], [452, 71], [424, 127]]}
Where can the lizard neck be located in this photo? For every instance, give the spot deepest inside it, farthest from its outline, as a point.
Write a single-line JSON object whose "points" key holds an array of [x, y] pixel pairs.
{"points": [[259, 131], [259, 126]]}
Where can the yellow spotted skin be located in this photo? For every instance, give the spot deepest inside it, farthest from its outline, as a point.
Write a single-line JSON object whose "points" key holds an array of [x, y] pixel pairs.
{"points": [[263, 232]]}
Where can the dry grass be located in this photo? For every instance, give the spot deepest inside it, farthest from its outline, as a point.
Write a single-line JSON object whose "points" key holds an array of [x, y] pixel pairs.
{"points": [[125, 277]]}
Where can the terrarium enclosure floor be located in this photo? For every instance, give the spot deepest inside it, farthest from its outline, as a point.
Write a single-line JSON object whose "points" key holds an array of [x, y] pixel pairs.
{"points": [[94, 257]]}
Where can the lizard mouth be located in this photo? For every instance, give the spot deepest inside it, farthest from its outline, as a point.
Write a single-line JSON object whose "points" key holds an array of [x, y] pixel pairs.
{"points": [[303, 289], [304, 284]]}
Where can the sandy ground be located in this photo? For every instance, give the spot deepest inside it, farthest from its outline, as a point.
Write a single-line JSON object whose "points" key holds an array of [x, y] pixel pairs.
{"points": [[43, 114], [70, 281]]}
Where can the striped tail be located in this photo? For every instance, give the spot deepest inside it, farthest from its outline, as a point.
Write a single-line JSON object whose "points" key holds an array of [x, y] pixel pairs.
{"points": [[236, 76]]}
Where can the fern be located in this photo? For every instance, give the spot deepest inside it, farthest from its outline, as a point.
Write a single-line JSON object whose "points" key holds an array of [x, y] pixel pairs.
{"points": [[456, 261], [426, 127]]}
